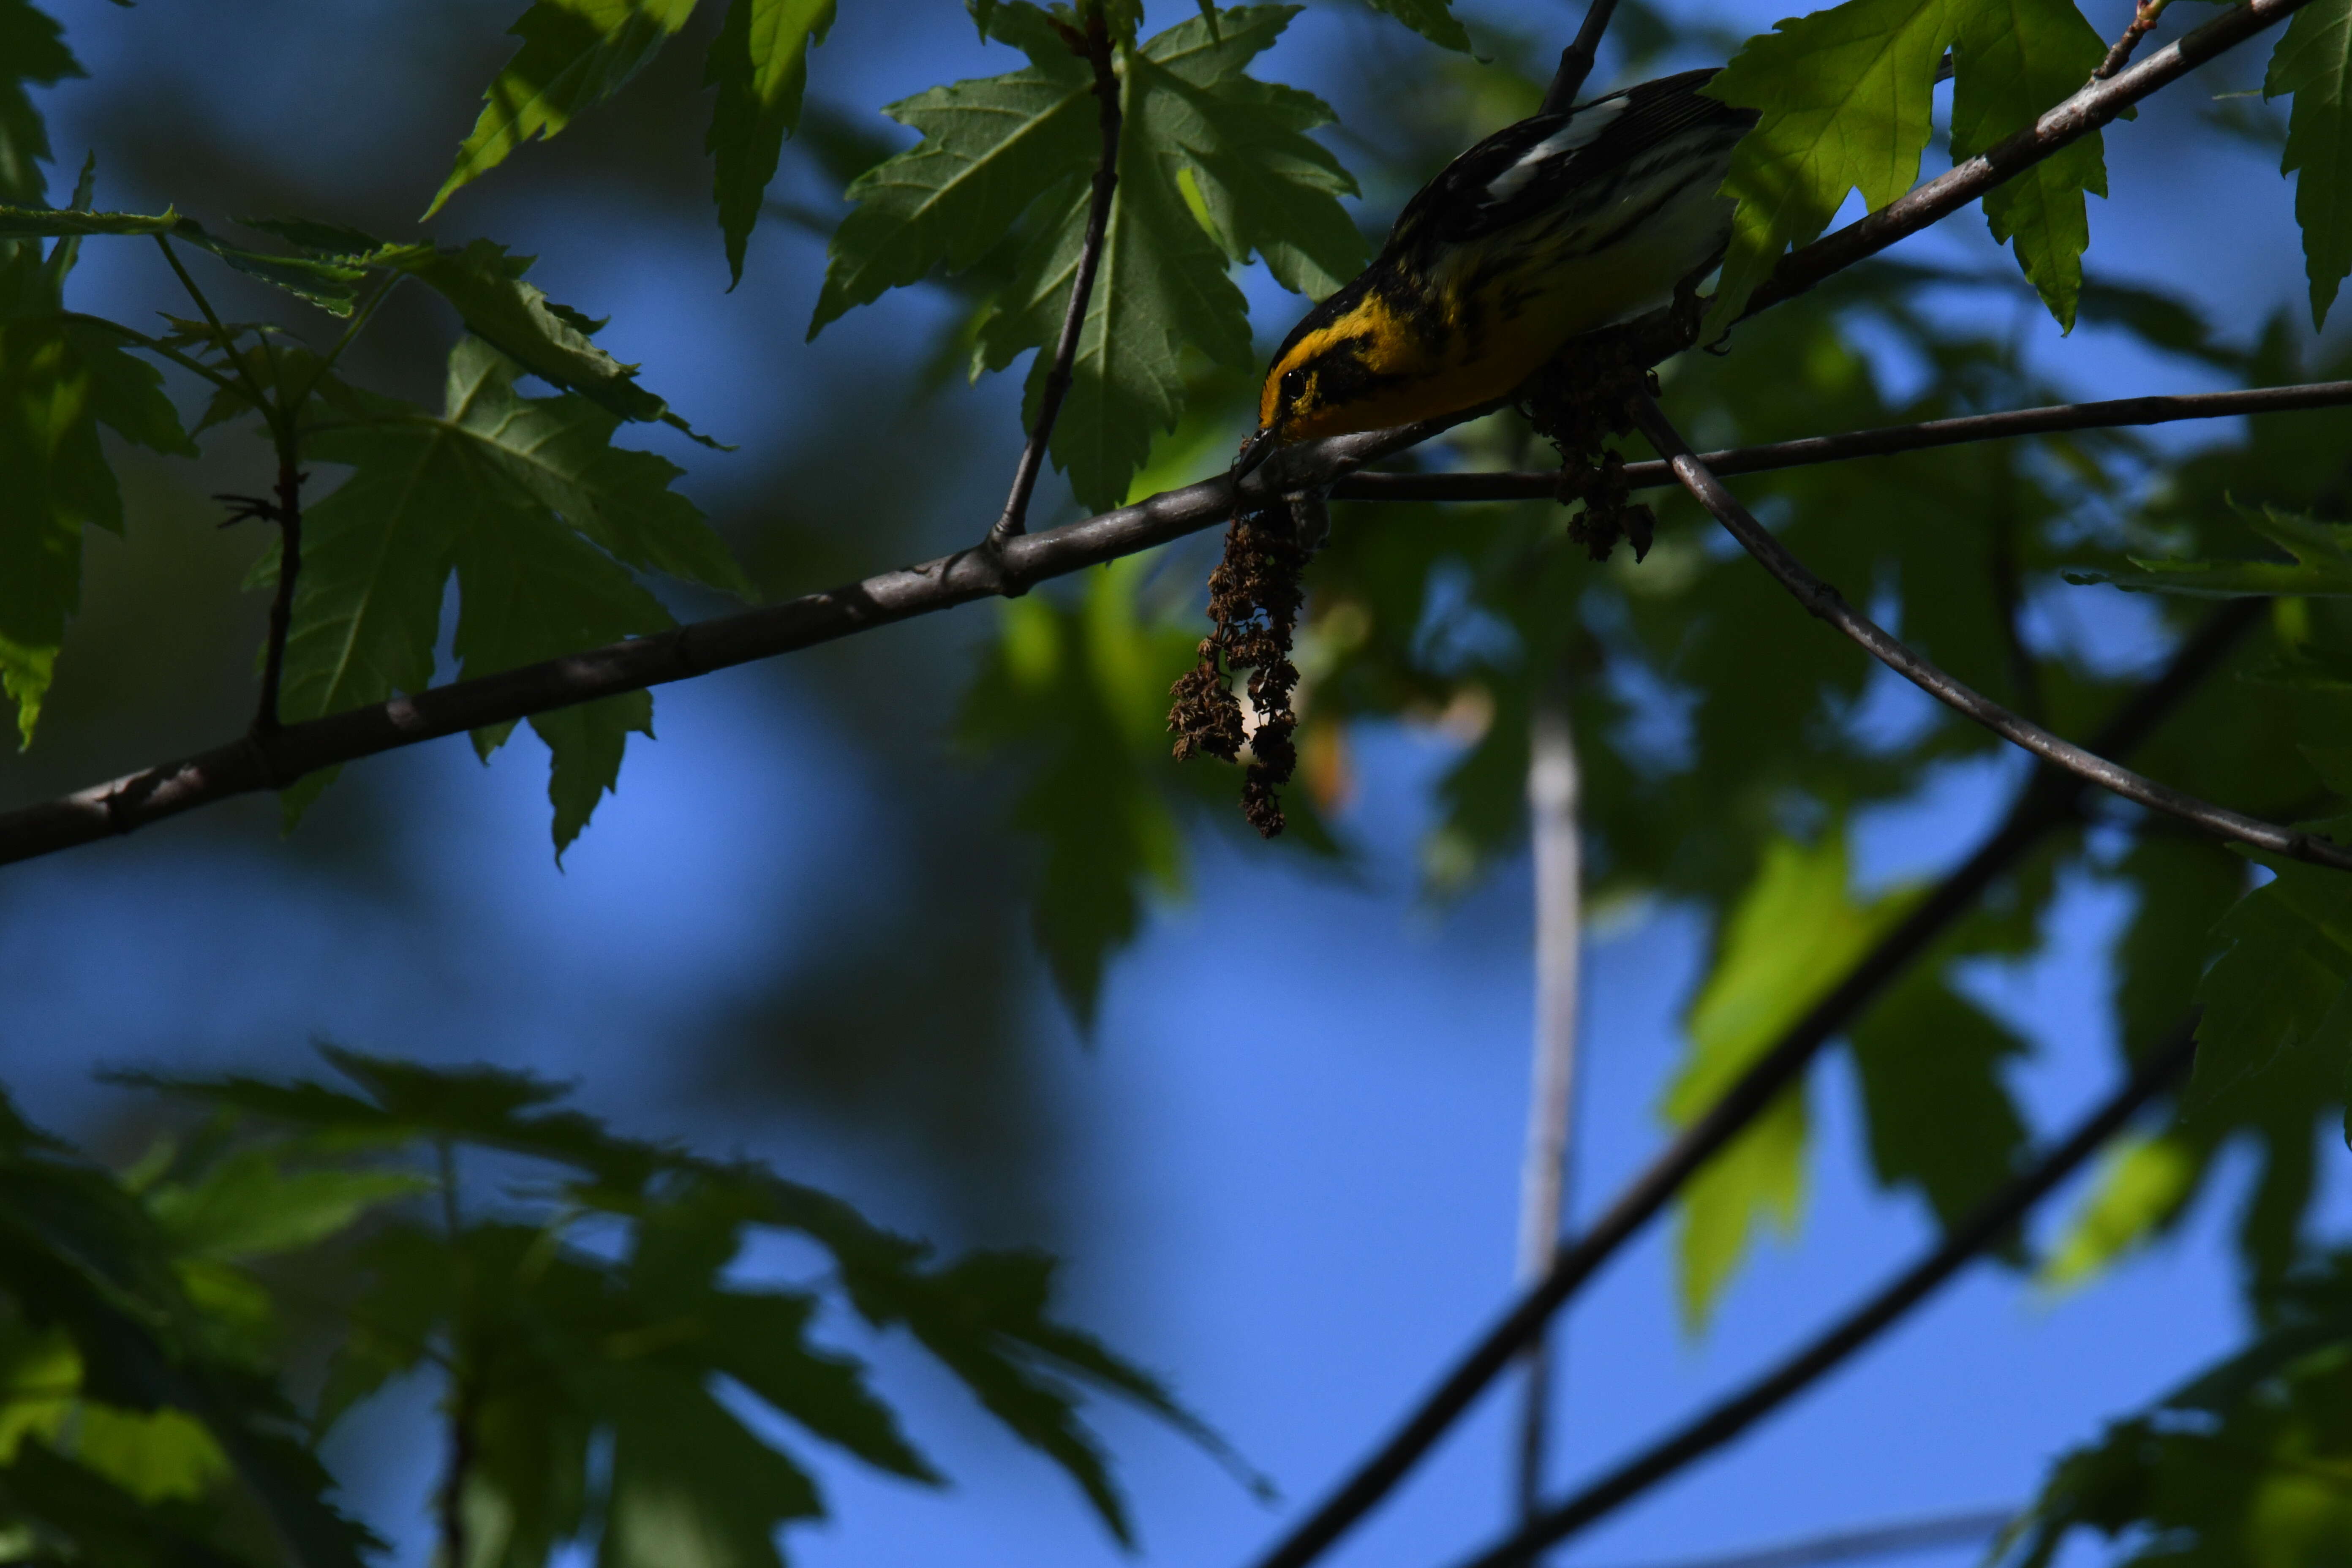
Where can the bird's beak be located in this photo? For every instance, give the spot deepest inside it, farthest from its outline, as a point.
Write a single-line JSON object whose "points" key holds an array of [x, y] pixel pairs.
{"points": [[1255, 450]]}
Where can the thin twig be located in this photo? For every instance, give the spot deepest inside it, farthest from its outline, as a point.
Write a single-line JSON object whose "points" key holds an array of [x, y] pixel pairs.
{"points": [[244, 372], [1555, 829], [1885, 441], [1991, 1221], [288, 515], [2144, 15], [1872, 1541], [1576, 60], [1096, 45], [2050, 798], [1830, 605]]}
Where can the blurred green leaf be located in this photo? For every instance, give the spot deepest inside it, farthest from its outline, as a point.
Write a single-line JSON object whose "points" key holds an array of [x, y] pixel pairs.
{"points": [[1433, 19], [1791, 937], [574, 54], [1941, 1118], [252, 1204], [2321, 563], [2246, 1464], [2313, 61], [1082, 689]]}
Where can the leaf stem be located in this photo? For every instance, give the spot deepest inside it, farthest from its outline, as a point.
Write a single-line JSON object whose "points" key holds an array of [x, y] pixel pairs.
{"points": [[1095, 46], [139, 339], [288, 515], [253, 390]]}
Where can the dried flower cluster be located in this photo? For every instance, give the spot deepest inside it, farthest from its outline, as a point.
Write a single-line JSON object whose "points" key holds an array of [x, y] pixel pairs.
{"points": [[1253, 600]]}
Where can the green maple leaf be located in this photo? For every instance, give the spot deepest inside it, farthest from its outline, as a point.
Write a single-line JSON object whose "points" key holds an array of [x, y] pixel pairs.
{"points": [[1845, 98], [528, 503], [32, 54], [2314, 62], [60, 381], [1792, 936], [2016, 58], [2321, 563], [1014, 154], [574, 55], [990, 149], [759, 63]]}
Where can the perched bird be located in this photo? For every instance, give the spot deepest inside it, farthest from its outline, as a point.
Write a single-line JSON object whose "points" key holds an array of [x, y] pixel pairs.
{"points": [[1551, 227]]}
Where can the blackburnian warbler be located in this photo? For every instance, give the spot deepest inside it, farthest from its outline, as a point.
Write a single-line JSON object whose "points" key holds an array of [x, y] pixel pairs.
{"points": [[1556, 225]]}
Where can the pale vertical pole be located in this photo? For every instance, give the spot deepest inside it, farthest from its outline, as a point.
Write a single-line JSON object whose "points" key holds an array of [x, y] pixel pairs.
{"points": [[1553, 789]]}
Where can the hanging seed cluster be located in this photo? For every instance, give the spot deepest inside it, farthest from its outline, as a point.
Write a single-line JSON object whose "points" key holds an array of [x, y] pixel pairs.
{"points": [[1579, 404], [1254, 599]]}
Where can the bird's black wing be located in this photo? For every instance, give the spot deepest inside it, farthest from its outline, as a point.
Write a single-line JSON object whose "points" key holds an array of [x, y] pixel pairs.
{"points": [[1522, 169]]}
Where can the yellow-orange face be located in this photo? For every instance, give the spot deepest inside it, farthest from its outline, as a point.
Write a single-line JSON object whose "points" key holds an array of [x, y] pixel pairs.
{"points": [[1358, 363]]}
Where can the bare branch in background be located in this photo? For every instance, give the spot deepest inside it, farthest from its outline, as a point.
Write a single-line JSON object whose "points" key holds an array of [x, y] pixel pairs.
{"points": [[1984, 1227], [1095, 44], [1826, 603], [1556, 831], [1874, 1540], [2050, 799]]}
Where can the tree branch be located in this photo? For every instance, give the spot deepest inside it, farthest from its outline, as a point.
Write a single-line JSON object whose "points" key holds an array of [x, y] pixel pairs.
{"points": [[1872, 1541], [272, 761], [1993, 1219], [2076, 118], [1885, 441], [1576, 60], [2144, 15], [2051, 798], [1830, 605], [1095, 44], [124, 805]]}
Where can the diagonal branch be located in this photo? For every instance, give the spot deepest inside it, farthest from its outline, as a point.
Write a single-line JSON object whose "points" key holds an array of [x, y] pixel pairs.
{"points": [[2086, 112], [272, 761], [1576, 61], [1870, 1541], [1096, 45], [2050, 800], [1829, 604], [1991, 1220], [1885, 441]]}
